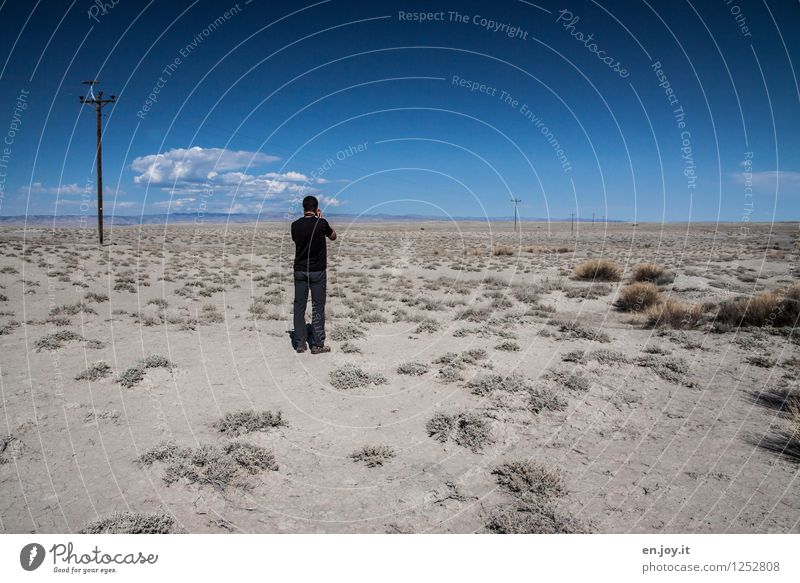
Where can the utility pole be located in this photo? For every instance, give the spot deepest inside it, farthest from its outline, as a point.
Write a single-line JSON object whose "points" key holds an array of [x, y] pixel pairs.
{"points": [[98, 103], [593, 218], [571, 222], [516, 201]]}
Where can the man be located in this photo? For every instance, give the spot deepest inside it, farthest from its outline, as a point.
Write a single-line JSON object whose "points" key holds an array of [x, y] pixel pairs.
{"points": [[310, 261]]}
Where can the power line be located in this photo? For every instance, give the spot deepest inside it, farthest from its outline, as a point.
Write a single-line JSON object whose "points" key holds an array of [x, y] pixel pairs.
{"points": [[98, 103]]}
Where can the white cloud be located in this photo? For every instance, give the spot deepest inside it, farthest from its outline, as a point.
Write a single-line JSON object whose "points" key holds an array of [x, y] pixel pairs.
{"points": [[770, 180], [66, 190], [193, 164], [175, 204], [63, 189]]}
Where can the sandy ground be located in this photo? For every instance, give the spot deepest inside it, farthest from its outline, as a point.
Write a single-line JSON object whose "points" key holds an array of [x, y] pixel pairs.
{"points": [[637, 452]]}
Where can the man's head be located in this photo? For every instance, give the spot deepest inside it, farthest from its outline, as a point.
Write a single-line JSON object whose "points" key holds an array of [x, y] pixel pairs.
{"points": [[310, 204]]}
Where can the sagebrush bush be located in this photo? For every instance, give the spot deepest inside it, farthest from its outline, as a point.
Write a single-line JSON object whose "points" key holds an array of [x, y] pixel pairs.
{"points": [[134, 523], [524, 478], [244, 421], [413, 368], [637, 297], [598, 270], [467, 429], [373, 455], [350, 376], [346, 331], [96, 371], [219, 466], [534, 517]]}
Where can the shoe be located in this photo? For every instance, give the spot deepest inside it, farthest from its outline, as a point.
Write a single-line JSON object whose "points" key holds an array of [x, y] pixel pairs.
{"points": [[300, 349], [320, 349]]}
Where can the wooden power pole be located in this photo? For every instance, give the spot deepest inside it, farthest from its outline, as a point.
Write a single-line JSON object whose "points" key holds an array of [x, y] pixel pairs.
{"points": [[516, 201], [98, 103]]}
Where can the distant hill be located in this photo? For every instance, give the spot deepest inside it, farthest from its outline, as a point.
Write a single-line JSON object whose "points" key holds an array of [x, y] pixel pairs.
{"points": [[221, 218]]}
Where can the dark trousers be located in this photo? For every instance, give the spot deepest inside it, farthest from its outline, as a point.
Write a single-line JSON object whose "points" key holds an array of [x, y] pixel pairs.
{"points": [[317, 282]]}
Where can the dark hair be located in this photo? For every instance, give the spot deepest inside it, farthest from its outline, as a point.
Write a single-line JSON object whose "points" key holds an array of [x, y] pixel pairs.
{"points": [[310, 203]]}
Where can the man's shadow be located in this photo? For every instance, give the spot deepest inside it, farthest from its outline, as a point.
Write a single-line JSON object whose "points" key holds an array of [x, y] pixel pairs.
{"points": [[309, 337]]}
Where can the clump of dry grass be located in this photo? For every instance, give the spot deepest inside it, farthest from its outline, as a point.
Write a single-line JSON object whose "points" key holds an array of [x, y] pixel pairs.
{"points": [[245, 421], [373, 455], [637, 297], [503, 250], [598, 270], [773, 308], [652, 273], [508, 346], [96, 371], [214, 465], [467, 429], [674, 314], [350, 376], [527, 478], [134, 523]]}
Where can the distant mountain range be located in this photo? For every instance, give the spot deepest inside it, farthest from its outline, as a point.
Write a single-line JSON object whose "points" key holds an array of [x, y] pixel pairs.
{"points": [[218, 218]]}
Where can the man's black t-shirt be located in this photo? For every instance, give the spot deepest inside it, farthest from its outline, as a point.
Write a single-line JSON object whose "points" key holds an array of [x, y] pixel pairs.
{"points": [[309, 235]]}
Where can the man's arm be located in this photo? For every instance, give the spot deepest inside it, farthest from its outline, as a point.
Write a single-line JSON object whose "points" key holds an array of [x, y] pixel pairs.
{"points": [[329, 232]]}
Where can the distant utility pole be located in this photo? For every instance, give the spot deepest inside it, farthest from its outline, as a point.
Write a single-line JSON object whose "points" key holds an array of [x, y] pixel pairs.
{"points": [[593, 218], [571, 222], [98, 103], [516, 201]]}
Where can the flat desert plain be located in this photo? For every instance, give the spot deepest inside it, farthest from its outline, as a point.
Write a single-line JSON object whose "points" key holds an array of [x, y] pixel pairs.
{"points": [[611, 378]]}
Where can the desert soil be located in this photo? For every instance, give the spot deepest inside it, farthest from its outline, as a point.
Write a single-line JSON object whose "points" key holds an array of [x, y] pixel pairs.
{"points": [[638, 452]]}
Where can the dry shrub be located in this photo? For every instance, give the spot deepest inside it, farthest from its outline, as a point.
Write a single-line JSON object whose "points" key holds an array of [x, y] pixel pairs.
{"points": [[772, 308], [534, 517], [503, 250], [247, 421], [527, 478], [653, 273], [637, 297], [134, 523], [598, 270], [674, 314], [373, 455], [467, 429]]}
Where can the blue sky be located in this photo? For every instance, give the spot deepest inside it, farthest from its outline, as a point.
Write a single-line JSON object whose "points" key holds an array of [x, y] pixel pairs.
{"points": [[563, 105]]}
